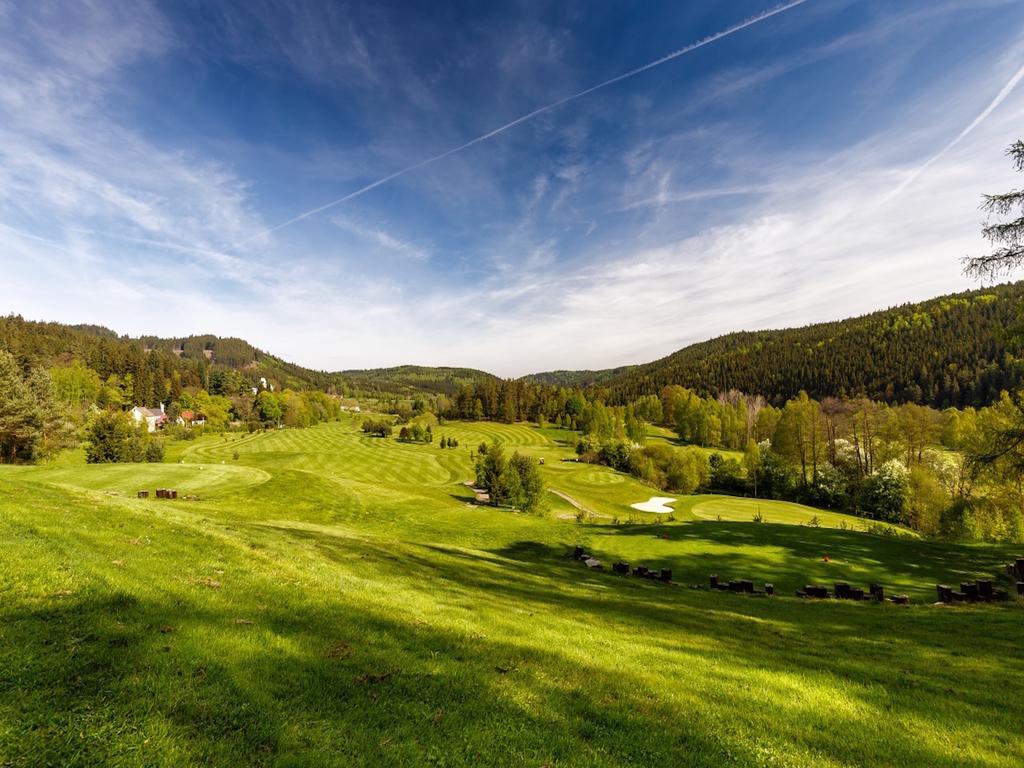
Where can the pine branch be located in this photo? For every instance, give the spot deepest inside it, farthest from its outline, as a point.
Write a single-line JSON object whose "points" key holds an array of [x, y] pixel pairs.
{"points": [[1010, 232], [1000, 205], [1016, 151], [1000, 262]]}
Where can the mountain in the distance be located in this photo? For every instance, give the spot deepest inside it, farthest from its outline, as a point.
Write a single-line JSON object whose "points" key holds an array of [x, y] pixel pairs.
{"points": [[581, 379], [949, 351], [414, 379], [150, 359], [952, 350]]}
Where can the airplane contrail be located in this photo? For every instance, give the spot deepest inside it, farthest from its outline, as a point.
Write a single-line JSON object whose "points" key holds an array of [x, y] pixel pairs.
{"points": [[528, 116], [999, 99]]}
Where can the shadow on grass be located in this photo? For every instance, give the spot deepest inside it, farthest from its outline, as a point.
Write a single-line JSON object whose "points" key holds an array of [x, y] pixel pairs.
{"points": [[791, 555], [317, 679]]}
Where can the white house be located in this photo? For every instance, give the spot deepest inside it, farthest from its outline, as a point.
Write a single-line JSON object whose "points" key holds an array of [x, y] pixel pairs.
{"points": [[153, 418], [190, 419]]}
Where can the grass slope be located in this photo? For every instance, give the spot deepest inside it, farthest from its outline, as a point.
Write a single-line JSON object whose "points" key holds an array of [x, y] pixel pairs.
{"points": [[334, 599]]}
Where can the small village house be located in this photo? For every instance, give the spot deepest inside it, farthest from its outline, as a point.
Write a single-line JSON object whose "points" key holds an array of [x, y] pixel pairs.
{"points": [[153, 418], [189, 418]]}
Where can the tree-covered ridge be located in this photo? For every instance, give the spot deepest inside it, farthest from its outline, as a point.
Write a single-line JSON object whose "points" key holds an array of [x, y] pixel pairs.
{"points": [[948, 351], [159, 369], [577, 378], [414, 379]]}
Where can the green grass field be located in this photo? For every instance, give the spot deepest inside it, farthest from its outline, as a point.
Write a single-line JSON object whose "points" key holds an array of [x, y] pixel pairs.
{"points": [[335, 599]]}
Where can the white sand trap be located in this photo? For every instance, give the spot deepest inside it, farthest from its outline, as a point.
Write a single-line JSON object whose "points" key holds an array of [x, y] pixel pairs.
{"points": [[655, 504]]}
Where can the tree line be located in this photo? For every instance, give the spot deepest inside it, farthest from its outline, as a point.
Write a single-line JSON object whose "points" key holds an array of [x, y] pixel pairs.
{"points": [[43, 410], [933, 471]]}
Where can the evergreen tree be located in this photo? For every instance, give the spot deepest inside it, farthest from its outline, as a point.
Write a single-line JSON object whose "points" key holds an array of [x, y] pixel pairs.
{"points": [[1007, 236], [20, 418]]}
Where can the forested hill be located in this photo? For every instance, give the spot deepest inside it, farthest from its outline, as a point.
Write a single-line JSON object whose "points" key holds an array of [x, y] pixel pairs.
{"points": [[157, 366], [952, 350], [577, 378], [414, 379]]}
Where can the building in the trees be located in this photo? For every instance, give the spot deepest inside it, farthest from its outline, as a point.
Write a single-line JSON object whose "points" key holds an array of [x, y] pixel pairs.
{"points": [[153, 418], [190, 419]]}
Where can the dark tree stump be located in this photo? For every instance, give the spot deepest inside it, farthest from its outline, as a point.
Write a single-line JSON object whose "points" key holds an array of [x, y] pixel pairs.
{"points": [[985, 589], [666, 574], [943, 593], [577, 554], [970, 591], [769, 589], [143, 494], [713, 578]]}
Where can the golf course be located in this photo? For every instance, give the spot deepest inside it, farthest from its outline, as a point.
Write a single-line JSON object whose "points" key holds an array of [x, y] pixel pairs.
{"points": [[324, 597]]}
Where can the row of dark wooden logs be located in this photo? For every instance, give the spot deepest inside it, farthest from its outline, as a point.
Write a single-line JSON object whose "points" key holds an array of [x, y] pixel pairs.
{"points": [[743, 586], [1015, 571], [622, 569], [161, 493], [643, 572], [978, 591], [843, 591]]}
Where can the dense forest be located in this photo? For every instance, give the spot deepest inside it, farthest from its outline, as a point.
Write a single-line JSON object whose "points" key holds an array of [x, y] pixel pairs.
{"points": [[158, 369], [951, 351], [410, 380], [948, 351]]}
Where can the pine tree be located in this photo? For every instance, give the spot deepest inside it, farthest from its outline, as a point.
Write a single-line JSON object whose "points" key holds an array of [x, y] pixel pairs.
{"points": [[1006, 236], [20, 427]]}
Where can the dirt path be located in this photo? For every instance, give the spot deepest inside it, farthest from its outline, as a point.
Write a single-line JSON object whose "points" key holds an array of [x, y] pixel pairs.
{"points": [[580, 507]]}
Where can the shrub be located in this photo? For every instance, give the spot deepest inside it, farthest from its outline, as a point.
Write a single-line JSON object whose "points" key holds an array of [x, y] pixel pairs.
{"points": [[885, 493], [726, 474], [377, 427], [155, 451]]}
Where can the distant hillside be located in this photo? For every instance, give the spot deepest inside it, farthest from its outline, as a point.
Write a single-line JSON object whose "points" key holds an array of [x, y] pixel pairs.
{"points": [[952, 350], [414, 379], [577, 378], [153, 361]]}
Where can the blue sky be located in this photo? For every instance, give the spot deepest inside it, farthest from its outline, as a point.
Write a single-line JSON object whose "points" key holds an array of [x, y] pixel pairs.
{"points": [[820, 162]]}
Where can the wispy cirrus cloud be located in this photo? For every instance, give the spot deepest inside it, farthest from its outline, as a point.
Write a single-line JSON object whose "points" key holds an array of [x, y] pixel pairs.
{"points": [[382, 238], [732, 190], [72, 170]]}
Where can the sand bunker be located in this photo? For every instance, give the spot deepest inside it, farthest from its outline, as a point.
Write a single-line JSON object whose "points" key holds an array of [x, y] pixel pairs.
{"points": [[655, 504]]}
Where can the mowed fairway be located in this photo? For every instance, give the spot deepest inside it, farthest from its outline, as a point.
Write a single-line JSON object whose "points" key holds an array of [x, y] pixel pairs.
{"points": [[335, 599]]}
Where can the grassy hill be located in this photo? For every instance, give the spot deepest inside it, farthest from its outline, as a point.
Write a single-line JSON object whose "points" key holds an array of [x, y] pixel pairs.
{"points": [[336, 599]]}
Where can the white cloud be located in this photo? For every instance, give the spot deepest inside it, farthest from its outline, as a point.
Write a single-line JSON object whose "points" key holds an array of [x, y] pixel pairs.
{"points": [[103, 225], [382, 238]]}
